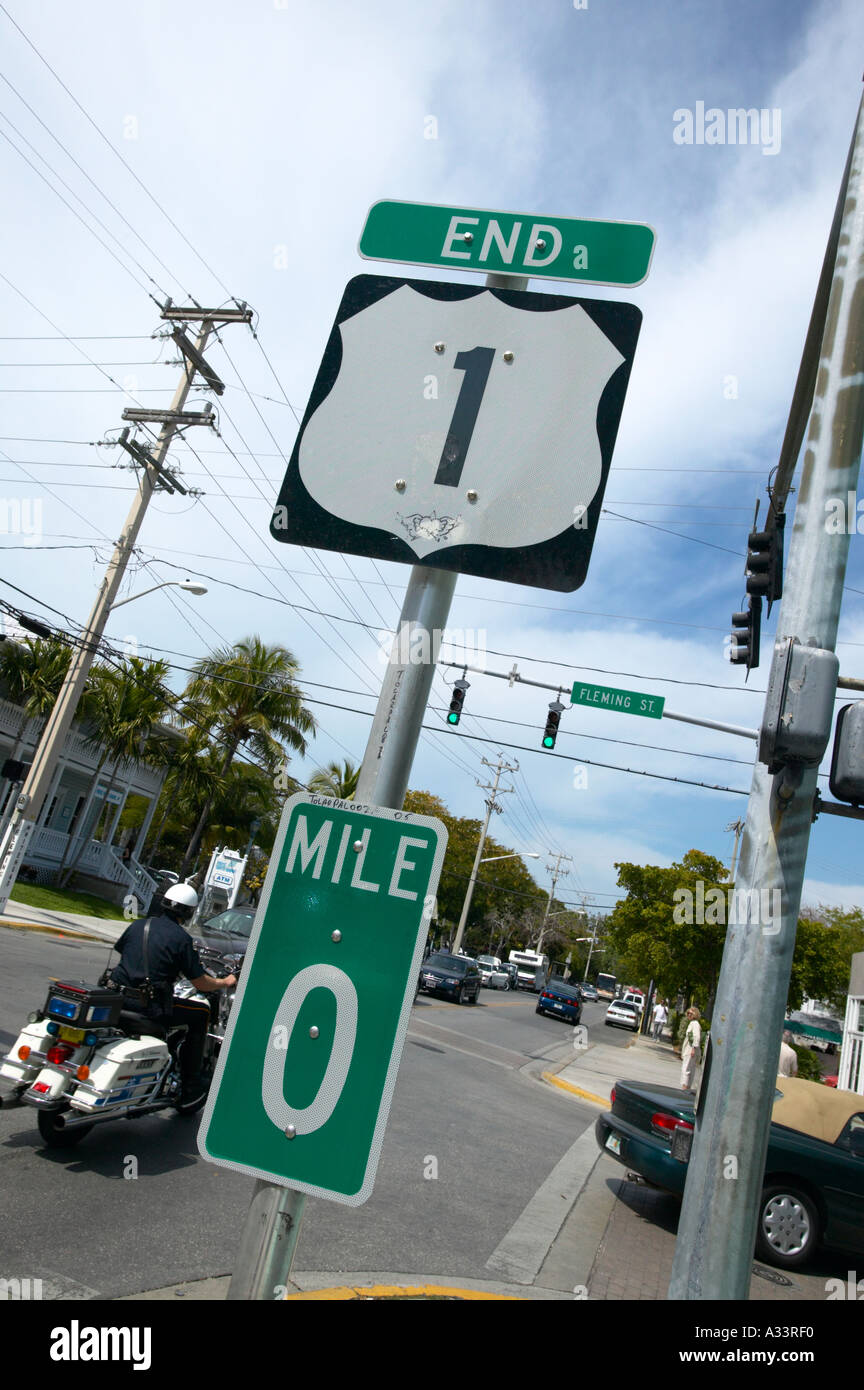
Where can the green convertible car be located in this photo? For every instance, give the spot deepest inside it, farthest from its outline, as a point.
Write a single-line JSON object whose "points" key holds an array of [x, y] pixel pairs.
{"points": [[813, 1188]]}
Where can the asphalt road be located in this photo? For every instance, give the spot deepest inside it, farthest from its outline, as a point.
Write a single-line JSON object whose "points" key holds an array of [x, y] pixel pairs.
{"points": [[473, 1134]]}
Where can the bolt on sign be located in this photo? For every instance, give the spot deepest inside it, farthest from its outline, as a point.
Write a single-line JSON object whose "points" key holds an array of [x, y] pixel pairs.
{"points": [[508, 243], [462, 428], [306, 1074]]}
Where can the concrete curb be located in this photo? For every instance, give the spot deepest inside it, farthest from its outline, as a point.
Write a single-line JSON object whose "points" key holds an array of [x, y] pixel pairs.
{"points": [[551, 1080], [49, 931]]}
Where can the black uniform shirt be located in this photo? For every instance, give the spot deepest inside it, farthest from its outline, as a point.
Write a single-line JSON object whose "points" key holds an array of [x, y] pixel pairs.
{"points": [[170, 952]]}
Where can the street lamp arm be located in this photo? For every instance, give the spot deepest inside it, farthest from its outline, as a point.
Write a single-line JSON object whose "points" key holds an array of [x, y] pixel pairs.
{"points": [[186, 584]]}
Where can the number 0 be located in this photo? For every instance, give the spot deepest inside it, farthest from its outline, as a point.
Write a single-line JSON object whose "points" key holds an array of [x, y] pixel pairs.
{"points": [[315, 1115]]}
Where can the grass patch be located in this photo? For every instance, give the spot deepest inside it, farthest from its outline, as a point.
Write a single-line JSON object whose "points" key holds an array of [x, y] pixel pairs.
{"points": [[56, 900]]}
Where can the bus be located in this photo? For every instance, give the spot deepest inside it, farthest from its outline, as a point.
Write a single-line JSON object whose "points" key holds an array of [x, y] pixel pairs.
{"points": [[606, 986]]}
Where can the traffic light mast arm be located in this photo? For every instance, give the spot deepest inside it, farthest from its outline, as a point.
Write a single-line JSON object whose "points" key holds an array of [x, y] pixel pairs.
{"points": [[513, 677]]}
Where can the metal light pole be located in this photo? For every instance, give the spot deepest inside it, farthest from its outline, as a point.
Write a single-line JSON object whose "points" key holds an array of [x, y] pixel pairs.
{"points": [[721, 1199]]}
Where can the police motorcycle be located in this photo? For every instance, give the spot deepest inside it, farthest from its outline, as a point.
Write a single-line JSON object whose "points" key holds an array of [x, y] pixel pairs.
{"points": [[84, 1058]]}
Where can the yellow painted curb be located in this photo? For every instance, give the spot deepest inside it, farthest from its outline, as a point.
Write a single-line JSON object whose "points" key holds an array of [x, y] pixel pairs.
{"points": [[346, 1291], [576, 1090], [55, 931]]}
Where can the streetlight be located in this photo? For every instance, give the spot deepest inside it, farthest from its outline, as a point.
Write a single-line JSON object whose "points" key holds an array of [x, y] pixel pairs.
{"points": [[460, 930], [188, 584]]}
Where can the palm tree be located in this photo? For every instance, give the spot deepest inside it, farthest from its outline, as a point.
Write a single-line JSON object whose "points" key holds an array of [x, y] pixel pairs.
{"points": [[125, 705], [33, 673], [193, 774], [246, 697], [336, 781]]}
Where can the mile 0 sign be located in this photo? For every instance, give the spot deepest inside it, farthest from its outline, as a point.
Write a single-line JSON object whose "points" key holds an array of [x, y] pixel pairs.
{"points": [[462, 428], [306, 1073]]}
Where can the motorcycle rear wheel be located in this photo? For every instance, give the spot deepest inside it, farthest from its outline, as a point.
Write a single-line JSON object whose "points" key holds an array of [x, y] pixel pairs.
{"points": [[56, 1136]]}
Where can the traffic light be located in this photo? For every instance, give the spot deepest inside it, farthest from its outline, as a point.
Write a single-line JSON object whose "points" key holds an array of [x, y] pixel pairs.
{"points": [[746, 632], [765, 562], [457, 701], [553, 719]]}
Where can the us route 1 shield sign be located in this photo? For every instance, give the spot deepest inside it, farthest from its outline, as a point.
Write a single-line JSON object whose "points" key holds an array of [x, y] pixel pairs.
{"points": [[306, 1074], [462, 428]]}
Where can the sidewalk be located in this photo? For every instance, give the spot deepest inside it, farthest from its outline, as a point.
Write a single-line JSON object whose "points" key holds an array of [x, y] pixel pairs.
{"points": [[98, 928]]}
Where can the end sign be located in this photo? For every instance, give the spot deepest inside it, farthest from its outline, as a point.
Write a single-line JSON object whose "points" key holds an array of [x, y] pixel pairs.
{"points": [[508, 243], [307, 1071]]}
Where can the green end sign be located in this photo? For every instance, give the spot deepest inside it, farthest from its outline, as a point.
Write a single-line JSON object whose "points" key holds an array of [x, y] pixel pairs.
{"points": [[626, 701], [508, 243], [307, 1071]]}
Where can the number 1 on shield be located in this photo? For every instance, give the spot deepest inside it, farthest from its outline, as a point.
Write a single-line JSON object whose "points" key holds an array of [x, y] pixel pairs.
{"points": [[476, 365]]}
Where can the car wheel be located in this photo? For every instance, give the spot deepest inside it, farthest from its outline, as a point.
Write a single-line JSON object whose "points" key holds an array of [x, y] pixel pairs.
{"points": [[538, 1010], [788, 1229], [475, 998], [462, 996]]}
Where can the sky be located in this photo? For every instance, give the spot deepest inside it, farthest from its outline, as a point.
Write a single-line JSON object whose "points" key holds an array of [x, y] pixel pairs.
{"points": [[232, 150]]}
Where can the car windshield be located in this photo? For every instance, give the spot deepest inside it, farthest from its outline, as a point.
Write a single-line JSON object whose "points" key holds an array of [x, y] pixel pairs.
{"points": [[455, 964], [234, 922]]}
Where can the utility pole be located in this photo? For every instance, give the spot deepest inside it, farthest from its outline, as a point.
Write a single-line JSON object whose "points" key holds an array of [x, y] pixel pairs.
{"points": [[722, 1195], [491, 805], [154, 474], [556, 873]]}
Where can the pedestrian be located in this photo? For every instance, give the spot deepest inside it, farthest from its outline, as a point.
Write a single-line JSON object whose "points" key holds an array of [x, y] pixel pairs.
{"points": [[788, 1064], [691, 1050], [660, 1018]]}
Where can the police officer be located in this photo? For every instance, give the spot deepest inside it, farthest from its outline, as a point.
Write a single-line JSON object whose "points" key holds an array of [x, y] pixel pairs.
{"points": [[164, 953]]}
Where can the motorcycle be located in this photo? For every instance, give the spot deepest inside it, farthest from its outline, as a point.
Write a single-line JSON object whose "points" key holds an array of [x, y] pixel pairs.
{"points": [[82, 1059]]}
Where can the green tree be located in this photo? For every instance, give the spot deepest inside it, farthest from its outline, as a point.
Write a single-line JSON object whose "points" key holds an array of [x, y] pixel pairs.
{"points": [[650, 943], [32, 673], [335, 780], [826, 940], [124, 707], [247, 697], [505, 882]]}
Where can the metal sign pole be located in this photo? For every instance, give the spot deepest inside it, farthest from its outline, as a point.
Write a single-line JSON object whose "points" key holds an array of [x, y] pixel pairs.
{"points": [[263, 1266], [714, 1249]]}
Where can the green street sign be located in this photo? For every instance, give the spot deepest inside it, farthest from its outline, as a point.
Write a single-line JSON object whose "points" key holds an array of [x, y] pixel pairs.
{"points": [[508, 243], [627, 701], [307, 1071]]}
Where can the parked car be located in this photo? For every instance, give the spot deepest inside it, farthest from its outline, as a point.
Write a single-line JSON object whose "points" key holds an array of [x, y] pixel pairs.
{"points": [[633, 996], [813, 1187], [227, 931], [621, 1015], [457, 977], [512, 973], [561, 999], [491, 972], [589, 992]]}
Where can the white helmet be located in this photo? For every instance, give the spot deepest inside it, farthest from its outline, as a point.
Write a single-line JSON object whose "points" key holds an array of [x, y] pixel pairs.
{"points": [[181, 901]]}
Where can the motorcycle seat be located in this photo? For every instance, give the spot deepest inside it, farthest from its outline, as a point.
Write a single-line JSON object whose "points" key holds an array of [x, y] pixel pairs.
{"points": [[137, 1024]]}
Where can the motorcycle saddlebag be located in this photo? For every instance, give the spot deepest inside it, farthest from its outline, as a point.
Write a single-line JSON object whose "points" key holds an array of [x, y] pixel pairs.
{"points": [[124, 1070], [80, 1005]]}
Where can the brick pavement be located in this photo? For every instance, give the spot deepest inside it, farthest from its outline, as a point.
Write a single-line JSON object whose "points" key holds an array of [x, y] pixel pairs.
{"points": [[634, 1257]]}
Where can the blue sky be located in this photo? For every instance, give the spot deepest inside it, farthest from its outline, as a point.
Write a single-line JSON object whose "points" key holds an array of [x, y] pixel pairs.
{"points": [[265, 131]]}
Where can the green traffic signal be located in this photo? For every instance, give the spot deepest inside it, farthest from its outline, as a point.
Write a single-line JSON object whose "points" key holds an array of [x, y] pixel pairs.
{"points": [[549, 741], [453, 717]]}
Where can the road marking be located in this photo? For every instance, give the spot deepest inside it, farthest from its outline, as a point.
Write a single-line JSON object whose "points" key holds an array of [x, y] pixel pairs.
{"points": [[419, 1291], [521, 1253], [576, 1090]]}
